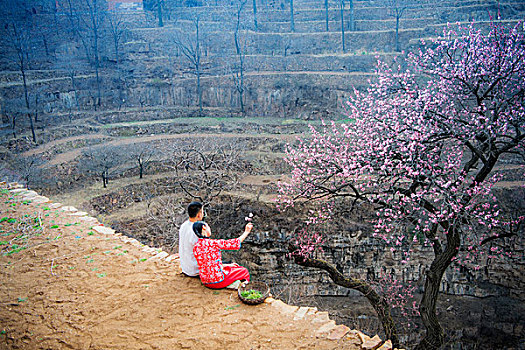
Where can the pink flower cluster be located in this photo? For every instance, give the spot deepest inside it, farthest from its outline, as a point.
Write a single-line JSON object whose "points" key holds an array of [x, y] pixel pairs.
{"points": [[423, 144], [399, 296]]}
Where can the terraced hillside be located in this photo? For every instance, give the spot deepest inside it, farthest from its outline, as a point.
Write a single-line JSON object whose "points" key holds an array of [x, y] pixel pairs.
{"points": [[301, 73]]}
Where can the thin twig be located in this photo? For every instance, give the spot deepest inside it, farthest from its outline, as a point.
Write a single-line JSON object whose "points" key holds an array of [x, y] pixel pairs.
{"points": [[52, 262]]}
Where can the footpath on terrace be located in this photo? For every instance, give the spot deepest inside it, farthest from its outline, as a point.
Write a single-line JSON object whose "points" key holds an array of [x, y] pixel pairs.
{"points": [[68, 282]]}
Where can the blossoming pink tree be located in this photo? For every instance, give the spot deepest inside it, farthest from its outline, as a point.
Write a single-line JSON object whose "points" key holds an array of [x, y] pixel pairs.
{"points": [[421, 149]]}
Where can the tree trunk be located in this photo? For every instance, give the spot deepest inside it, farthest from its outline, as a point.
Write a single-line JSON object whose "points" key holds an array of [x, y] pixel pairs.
{"points": [[378, 303], [397, 34], [159, 13], [292, 24], [45, 45], [434, 332], [199, 90], [97, 66], [198, 67], [14, 126], [326, 12], [343, 24], [74, 87], [352, 19], [255, 14], [36, 107], [241, 84], [26, 95]]}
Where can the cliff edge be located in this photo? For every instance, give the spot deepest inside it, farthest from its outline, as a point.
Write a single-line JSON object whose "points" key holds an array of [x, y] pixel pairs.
{"points": [[68, 282]]}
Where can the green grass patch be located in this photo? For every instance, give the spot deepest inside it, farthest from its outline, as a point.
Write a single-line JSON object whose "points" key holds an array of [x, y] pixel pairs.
{"points": [[8, 219], [15, 249], [232, 307], [100, 275]]}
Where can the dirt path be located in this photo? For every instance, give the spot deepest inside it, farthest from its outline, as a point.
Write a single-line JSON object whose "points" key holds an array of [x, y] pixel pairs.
{"points": [[69, 287], [49, 145], [71, 155], [44, 81]]}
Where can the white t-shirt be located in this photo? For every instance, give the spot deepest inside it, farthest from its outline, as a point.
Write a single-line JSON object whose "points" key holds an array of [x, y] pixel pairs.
{"points": [[187, 240]]}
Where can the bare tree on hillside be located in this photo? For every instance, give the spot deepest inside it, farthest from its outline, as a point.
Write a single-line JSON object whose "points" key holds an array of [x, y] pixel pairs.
{"points": [[351, 23], [292, 23], [143, 155], [208, 168], [342, 8], [102, 162], [326, 14], [17, 30], [397, 9], [87, 21], [164, 216], [254, 5], [117, 29], [68, 59], [240, 48], [29, 169], [189, 44], [157, 7]]}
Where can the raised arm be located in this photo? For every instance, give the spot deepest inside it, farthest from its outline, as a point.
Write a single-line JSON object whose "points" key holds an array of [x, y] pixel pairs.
{"points": [[247, 231]]}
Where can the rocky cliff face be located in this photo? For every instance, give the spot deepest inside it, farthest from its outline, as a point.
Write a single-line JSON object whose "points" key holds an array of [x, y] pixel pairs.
{"points": [[354, 251]]}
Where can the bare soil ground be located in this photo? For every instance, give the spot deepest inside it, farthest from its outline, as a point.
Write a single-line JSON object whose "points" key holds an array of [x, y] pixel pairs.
{"points": [[71, 155], [66, 287], [49, 145]]}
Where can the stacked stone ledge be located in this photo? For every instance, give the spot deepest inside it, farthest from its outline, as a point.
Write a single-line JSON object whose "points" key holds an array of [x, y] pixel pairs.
{"points": [[326, 328]]}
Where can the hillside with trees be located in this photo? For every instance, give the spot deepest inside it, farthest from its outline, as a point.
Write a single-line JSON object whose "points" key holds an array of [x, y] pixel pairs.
{"points": [[380, 142]]}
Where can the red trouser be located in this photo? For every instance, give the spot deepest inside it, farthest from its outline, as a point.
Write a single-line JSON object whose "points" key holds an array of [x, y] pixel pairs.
{"points": [[233, 272]]}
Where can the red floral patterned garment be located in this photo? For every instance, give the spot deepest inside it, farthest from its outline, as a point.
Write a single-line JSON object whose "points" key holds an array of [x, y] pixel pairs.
{"points": [[209, 258]]}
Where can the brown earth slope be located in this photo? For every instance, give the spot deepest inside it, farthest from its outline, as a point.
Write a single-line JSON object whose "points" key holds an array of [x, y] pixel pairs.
{"points": [[67, 286]]}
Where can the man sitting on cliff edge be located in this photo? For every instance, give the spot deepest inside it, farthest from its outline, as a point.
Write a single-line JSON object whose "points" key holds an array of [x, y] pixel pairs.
{"points": [[187, 240]]}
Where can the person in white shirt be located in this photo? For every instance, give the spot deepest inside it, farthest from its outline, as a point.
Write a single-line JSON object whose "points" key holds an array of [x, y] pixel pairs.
{"points": [[187, 240]]}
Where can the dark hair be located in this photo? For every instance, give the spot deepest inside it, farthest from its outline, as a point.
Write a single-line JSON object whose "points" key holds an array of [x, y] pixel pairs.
{"points": [[194, 208], [197, 228]]}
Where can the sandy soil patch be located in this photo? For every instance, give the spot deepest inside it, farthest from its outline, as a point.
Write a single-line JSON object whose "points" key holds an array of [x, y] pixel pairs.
{"points": [[72, 288]]}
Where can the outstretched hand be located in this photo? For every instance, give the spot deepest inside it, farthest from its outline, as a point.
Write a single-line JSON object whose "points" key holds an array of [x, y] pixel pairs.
{"points": [[247, 230]]}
